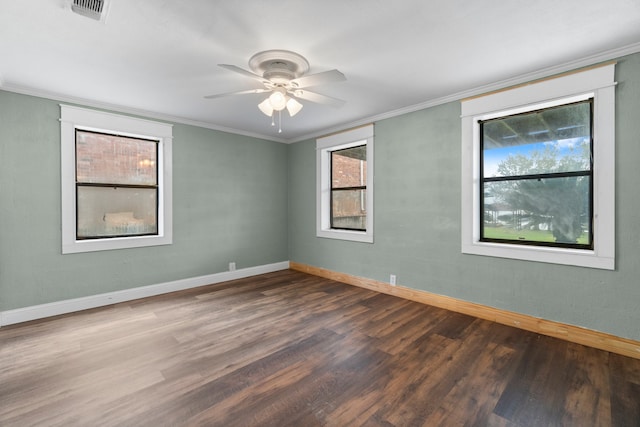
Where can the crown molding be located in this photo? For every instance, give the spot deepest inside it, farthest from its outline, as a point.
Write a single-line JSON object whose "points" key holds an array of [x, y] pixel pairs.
{"points": [[25, 90], [587, 61], [480, 90]]}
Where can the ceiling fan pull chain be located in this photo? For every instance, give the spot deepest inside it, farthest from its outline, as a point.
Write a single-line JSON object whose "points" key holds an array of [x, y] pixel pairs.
{"points": [[280, 121], [273, 123]]}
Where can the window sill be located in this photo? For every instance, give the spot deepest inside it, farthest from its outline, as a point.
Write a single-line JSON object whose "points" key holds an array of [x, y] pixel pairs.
{"points": [[93, 245], [354, 236], [575, 257]]}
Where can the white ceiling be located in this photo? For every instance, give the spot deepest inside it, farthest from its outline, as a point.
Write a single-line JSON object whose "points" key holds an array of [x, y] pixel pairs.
{"points": [[159, 57]]}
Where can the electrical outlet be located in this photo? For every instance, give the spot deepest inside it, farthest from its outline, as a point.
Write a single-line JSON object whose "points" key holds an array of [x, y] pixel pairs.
{"points": [[392, 279], [232, 266]]}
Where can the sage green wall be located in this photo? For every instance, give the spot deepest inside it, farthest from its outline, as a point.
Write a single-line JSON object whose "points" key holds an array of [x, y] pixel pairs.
{"points": [[417, 224], [230, 204]]}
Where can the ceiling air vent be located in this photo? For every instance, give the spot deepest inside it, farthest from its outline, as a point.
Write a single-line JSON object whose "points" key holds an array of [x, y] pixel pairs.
{"points": [[94, 9]]}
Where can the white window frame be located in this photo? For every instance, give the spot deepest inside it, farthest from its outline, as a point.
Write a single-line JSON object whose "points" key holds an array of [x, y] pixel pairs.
{"points": [[598, 83], [72, 118], [324, 147]]}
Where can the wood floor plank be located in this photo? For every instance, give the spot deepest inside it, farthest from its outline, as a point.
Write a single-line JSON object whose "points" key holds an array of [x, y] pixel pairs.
{"points": [[291, 349], [535, 392], [438, 377], [474, 396], [625, 391], [588, 398]]}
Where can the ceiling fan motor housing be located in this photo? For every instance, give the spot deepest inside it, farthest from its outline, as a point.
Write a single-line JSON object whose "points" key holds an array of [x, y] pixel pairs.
{"points": [[279, 66]]}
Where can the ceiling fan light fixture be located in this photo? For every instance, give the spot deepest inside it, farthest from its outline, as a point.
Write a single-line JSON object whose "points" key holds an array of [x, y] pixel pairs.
{"points": [[293, 107], [278, 99], [266, 108]]}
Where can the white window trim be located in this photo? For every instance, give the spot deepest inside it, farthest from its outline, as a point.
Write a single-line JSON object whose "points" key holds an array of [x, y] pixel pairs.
{"points": [[324, 147], [597, 82], [72, 118]]}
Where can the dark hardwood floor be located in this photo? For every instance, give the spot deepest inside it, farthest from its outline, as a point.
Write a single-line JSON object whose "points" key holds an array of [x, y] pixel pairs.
{"points": [[290, 349]]}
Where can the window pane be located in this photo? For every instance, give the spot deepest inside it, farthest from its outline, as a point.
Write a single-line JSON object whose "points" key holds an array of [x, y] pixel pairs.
{"points": [[111, 159], [538, 210], [348, 209], [108, 211], [349, 167], [548, 141]]}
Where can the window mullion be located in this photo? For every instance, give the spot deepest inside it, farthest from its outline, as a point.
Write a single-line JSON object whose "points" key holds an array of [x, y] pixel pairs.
{"points": [[114, 185], [537, 176]]}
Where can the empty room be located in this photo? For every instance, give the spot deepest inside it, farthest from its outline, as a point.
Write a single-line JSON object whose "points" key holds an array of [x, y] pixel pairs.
{"points": [[337, 213]]}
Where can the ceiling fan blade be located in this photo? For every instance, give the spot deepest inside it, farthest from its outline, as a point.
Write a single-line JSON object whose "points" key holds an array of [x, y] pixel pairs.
{"points": [[242, 92], [244, 73], [318, 98], [331, 76]]}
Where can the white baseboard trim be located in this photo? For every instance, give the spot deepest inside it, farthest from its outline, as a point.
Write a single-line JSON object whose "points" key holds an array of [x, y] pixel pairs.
{"points": [[40, 311]]}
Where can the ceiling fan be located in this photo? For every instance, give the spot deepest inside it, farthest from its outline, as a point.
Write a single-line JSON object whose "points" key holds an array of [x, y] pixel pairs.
{"points": [[282, 73]]}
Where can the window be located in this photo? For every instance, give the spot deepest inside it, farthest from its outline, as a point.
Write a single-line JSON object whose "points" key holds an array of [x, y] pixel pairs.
{"points": [[538, 171], [536, 180], [116, 186], [349, 188], [116, 181], [345, 185]]}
